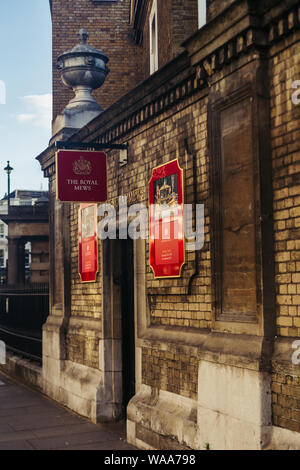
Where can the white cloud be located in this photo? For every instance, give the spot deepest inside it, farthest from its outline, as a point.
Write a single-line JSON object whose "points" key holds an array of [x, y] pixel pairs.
{"points": [[25, 117], [39, 110]]}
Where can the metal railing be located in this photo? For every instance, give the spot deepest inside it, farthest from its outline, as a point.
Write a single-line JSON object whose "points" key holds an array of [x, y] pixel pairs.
{"points": [[23, 289], [23, 311], [22, 343]]}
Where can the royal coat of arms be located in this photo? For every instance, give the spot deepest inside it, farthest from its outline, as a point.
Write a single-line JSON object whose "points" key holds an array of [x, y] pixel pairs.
{"points": [[82, 167]]}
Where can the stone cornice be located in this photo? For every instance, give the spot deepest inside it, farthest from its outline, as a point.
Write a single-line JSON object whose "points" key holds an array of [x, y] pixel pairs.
{"points": [[284, 23], [140, 107], [47, 161]]}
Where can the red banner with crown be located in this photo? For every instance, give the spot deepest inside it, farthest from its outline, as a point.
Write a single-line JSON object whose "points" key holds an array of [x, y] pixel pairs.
{"points": [[87, 242], [167, 255], [81, 176]]}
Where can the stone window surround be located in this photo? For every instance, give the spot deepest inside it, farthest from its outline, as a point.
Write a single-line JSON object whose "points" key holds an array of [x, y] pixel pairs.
{"points": [[201, 13], [153, 41]]}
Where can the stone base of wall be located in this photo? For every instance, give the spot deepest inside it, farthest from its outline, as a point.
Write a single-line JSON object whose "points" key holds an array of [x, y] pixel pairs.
{"points": [[71, 384], [85, 390], [25, 371], [161, 420], [76, 387], [283, 439], [233, 412], [234, 407]]}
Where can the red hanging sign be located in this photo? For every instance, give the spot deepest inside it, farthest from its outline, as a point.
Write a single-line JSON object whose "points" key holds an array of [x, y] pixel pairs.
{"points": [[81, 176], [88, 242], [167, 254]]}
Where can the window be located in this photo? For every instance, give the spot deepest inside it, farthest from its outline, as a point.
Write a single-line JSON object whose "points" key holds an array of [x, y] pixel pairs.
{"points": [[1, 231], [201, 13], [153, 38], [1, 258], [132, 10], [25, 203], [27, 258]]}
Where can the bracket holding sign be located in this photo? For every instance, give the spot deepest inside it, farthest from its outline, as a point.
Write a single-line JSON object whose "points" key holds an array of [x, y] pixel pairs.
{"points": [[61, 145]]}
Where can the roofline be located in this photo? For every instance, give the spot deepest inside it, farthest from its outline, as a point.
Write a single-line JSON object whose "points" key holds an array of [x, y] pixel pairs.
{"points": [[13, 194]]}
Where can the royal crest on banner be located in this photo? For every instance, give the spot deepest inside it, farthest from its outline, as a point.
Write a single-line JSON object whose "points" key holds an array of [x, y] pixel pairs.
{"points": [[82, 167]]}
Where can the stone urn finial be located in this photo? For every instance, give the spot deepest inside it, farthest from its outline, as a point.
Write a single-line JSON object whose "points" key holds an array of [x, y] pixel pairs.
{"points": [[83, 69], [84, 35]]}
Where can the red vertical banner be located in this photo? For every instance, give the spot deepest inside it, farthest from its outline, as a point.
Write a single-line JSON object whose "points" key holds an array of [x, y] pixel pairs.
{"points": [[167, 255], [87, 242]]}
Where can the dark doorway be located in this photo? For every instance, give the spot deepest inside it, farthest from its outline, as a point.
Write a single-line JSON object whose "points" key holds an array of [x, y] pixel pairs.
{"points": [[128, 333], [118, 325]]}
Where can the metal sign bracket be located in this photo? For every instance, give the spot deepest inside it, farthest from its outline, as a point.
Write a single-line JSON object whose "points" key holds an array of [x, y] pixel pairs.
{"points": [[61, 145]]}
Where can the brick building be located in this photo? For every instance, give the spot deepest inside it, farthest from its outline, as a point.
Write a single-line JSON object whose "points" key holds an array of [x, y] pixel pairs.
{"points": [[210, 356]]}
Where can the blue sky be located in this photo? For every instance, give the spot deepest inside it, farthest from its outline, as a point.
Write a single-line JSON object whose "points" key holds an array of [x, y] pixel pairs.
{"points": [[26, 70]]}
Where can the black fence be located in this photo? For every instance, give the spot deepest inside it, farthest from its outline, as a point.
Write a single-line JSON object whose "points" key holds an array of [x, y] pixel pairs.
{"points": [[23, 311]]}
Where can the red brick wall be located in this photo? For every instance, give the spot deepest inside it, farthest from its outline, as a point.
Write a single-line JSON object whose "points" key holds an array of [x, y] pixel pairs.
{"points": [[177, 20], [184, 22]]}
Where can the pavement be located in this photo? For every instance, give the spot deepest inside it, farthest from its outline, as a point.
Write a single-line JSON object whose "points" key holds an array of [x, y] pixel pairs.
{"points": [[31, 421]]}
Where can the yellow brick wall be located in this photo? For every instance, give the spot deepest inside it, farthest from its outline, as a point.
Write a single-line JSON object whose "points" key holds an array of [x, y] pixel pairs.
{"points": [[286, 401], [285, 138], [86, 303], [175, 371], [83, 349]]}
